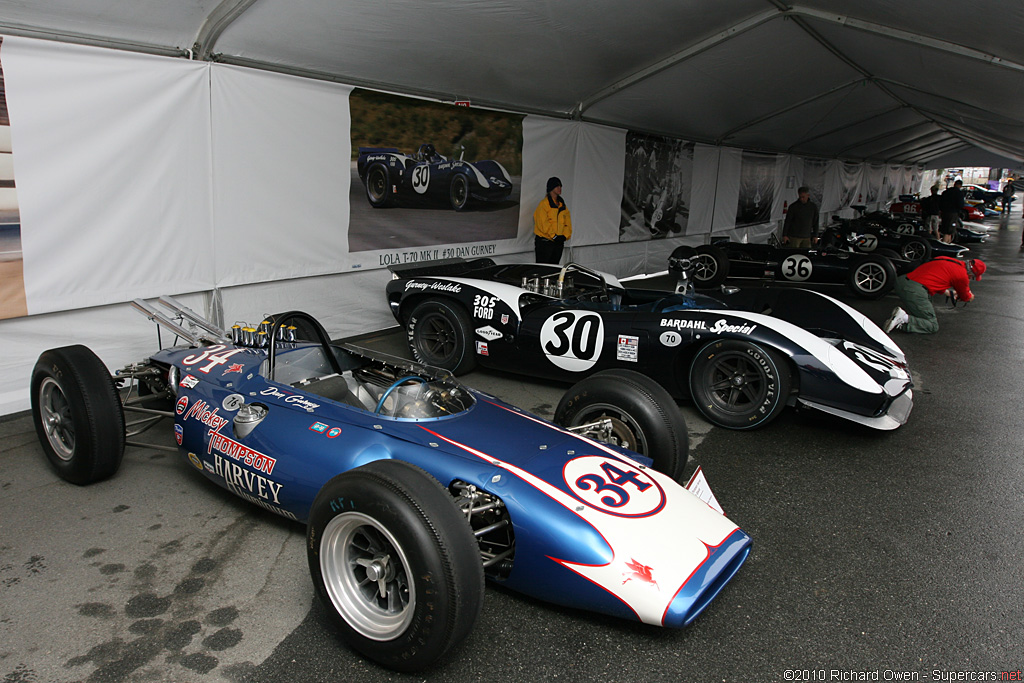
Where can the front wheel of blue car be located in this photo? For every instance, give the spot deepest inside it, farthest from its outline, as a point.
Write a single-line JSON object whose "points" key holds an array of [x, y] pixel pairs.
{"points": [[395, 563], [739, 385], [440, 334], [458, 193], [641, 416]]}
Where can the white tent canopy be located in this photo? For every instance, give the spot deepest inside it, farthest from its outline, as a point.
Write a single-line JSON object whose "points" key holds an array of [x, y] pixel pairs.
{"points": [[937, 83]]}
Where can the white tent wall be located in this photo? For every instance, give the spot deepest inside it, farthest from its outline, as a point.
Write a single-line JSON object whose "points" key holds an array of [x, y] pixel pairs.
{"points": [[228, 187]]}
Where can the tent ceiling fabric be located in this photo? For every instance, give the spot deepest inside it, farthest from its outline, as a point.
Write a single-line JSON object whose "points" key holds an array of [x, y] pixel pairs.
{"points": [[872, 80]]}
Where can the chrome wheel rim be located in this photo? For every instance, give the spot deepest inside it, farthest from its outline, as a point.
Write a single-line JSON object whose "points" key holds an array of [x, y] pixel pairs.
{"points": [[55, 414], [870, 278], [366, 574]]}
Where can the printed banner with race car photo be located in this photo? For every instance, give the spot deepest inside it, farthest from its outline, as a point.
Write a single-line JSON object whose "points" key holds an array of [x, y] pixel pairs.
{"points": [[656, 187], [12, 272], [757, 189], [428, 173]]}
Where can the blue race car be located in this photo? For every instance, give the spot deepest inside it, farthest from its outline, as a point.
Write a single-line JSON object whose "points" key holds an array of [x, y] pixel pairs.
{"points": [[429, 178], [413, 487]]}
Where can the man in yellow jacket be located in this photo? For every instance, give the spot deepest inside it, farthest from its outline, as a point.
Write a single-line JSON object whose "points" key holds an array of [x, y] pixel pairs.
{"points": [[552, 225]]}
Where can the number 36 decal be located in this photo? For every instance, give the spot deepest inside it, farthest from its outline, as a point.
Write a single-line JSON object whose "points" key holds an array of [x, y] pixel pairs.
{"points": [[613, 486], [572, 340]]}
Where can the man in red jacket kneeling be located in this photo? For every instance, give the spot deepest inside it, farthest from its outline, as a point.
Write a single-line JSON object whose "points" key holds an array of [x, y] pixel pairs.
{"points": [[916, 288]]}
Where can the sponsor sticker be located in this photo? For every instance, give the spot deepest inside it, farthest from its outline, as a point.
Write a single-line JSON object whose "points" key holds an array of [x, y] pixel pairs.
{"points": [[234, 367], [179, 434], [189, 382], [333, 432], [504, 318], [627, 348], [181, 405], [683, 324], [318, 427], [489, 333], [481, 348], [196, 462]]}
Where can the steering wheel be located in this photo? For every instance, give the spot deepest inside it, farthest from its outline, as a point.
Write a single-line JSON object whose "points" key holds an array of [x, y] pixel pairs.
{"points": [[395, 385]]}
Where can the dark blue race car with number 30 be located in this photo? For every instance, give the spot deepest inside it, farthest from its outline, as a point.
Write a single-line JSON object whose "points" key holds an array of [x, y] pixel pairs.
{"points": [[741, 359], [428, 178]]}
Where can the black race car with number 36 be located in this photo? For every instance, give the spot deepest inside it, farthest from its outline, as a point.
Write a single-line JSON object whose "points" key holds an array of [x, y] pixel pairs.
{"points": [[740, 362], [427, 177]]}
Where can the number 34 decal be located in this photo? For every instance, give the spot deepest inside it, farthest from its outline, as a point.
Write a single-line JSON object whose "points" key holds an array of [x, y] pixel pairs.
{"points": [[572, 340], [613, 486]]}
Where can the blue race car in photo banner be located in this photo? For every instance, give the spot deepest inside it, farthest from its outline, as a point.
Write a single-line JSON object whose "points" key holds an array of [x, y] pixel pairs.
{"points": [[413, 487], [741, 359], [428, 178]]}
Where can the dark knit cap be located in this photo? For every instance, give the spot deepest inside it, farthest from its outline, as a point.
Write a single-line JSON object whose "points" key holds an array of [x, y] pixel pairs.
{"points": [[553, 183]]}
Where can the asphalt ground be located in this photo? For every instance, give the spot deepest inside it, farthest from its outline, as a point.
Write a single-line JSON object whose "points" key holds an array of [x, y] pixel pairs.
{"points": [[877, 555]]}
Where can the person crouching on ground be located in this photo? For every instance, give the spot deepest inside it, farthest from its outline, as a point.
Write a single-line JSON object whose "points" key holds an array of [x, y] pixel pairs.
{"points": [[916, 288]]}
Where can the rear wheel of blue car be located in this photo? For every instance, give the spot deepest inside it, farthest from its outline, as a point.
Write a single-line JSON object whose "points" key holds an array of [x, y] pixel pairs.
{"points": [[378, 186], [872, 277], [395, 563], [739, 385], [458, 192], [440, 334], [77, 414], [642, 415]]}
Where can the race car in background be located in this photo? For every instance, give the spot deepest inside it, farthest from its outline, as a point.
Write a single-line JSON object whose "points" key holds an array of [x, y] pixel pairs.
{"points": [[428, 178], [412, 487], [741, 360], [868, 276]]}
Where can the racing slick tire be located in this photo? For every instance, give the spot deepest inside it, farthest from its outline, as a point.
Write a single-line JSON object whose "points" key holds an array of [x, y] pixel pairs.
{"points": [[739, 385], [872, 277], [916, 250], [378, 185], [458, 192], [395, 563], [77, 414], [440, 334], [644, 416], [712, 266]]}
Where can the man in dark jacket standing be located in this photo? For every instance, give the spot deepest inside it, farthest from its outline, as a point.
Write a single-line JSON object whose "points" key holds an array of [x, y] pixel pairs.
{"points": [[800, 230], [951, 202], [930, 212]]}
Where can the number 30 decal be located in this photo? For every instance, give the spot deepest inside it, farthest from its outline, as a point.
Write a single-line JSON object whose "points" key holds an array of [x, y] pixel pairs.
{"points": [[421, 178], [797, 267], [613, 486], [572, 340]]}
